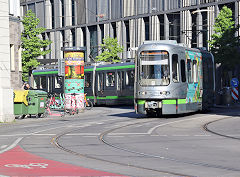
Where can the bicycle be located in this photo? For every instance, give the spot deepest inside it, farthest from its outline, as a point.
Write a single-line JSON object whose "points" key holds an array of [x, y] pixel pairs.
{"points": [[55, 103], [52, 104], [87, 103]]}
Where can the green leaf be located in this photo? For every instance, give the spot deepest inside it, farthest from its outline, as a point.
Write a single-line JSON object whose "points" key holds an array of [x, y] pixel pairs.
{"points": [[32, 45]]}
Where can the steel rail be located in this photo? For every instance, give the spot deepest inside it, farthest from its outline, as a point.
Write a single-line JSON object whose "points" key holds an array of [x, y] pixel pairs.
{"points": [[55, 141], [101, 137]]}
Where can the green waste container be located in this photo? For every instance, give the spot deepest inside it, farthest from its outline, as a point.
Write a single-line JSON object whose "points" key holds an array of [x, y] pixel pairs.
{"points": [[20, 103], [36, 102]]}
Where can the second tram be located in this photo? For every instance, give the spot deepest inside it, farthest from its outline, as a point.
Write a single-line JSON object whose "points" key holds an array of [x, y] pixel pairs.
{"points": [[172, 79]]}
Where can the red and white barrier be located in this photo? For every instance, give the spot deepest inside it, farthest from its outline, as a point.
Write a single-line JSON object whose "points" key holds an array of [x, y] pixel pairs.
{"points": [[235, 95]]}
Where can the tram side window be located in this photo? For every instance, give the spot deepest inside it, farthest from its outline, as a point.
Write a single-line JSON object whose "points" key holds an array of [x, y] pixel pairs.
{"points": [[175, 68], [100, 82], [43, 82], [110, 79], [195, 71], [183, 71], [36, 83], [87, 80], [129, 78], [189, 70], [58, 82]]}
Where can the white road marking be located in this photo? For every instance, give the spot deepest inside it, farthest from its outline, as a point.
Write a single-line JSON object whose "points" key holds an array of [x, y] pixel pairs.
{"points": [[201, 135], [83, 134], [127, 134], [12, 145], [3, 146], [150, 131], [117, 136]]}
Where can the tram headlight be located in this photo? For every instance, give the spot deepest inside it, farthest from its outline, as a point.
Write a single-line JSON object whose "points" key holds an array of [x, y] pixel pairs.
{"points": [[142, 93], [165, 93]]}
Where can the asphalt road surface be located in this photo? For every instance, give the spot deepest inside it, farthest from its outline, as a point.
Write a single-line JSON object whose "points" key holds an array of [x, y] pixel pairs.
{"points": [[114, 141]]}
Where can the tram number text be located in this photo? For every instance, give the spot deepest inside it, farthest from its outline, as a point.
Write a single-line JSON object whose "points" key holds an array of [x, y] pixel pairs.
{"points": [[29, 166]]}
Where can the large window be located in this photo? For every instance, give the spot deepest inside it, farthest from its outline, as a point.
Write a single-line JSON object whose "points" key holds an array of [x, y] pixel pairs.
{"points": [[195, 71], [183, 71], [154, 68], [87, 78], [129, 78], [175, 68], [189, 70], [110, 79]]}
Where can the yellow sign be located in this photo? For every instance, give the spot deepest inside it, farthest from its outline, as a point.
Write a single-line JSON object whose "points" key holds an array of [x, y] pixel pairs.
{"points": [[74, 58]]}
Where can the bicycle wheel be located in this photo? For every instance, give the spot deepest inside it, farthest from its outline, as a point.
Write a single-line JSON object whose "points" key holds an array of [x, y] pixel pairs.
{"points": [[89, 106]]}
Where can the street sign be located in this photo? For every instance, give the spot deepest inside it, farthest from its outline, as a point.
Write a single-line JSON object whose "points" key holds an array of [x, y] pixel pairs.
{"points": [[234, 82]]}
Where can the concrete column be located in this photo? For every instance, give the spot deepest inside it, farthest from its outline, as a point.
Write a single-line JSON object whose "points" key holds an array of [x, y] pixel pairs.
{"points": [[166, 27], [111, 30], [52, 38], [58, 45], [155, 29], [48, 47], [88, 45], [99, 36], [6, 93], [57, 13], [48, 14], [68, 38], [182, 35], [132, 31], [140, 31], [106, 30], [211, 20], [79, 37], [68, 12], [124, 40], [237, 16], [199, 28], [119, 35]]}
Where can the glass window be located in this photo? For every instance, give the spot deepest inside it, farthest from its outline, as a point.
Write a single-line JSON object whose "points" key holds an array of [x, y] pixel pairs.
{"points": [[129, 78], [100, 82], [183, 71], [195, 71], [43, 82], [189, 70], [110, 79], [58, 82], [175, 68], [87, 80], [154, 68]]}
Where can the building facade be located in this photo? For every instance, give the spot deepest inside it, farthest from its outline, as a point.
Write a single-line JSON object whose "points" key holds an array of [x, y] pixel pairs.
{"points": [[15, 44], [6, 92], [84, 23]]}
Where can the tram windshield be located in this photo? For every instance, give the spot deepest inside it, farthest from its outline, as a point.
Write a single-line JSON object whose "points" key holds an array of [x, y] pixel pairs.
{"points": [[154, 68]]}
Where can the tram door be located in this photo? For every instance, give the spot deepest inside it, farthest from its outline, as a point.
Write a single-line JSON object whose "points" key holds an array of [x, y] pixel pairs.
{"points": [[120, 75], [100, 87]]}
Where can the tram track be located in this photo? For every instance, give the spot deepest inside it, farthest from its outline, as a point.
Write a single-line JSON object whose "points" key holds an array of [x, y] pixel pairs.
{"points": [[205, 127], [102, 138], [55, 141]]}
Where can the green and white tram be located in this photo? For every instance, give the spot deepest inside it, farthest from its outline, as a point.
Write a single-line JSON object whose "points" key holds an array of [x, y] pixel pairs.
{"points": [[105, 84]]}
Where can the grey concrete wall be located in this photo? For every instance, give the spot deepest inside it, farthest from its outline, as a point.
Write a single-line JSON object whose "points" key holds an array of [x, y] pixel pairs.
{"points": [[6, 93], [15, 40]]}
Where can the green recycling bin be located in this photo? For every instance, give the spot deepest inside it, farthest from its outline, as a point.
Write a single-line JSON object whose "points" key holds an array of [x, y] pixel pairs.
{"points": [[36, 102], [20, 103]]}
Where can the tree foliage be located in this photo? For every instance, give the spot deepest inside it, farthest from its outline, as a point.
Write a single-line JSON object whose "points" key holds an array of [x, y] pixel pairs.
{"points": [[224, 44], [32, 45], [111, 49]]}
